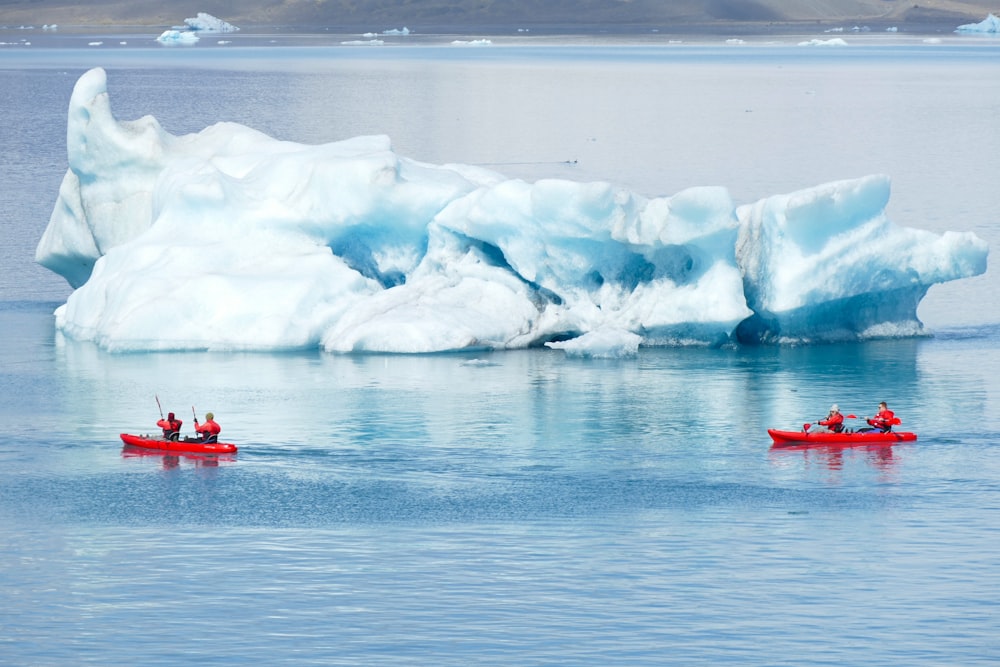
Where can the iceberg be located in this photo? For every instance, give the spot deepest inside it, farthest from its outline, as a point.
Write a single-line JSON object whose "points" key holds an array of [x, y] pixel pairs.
{"points": [[229, 239], [991, 24], [207, 23], [607, 344], [187, 34], [826, 264], [835, 41], [178, 37]]}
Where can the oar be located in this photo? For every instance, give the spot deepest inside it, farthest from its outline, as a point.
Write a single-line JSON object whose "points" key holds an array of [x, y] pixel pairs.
{"points": [[159, 406]]}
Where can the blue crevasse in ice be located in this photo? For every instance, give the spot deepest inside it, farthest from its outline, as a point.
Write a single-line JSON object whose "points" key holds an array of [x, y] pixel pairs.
{"points": [[230, 239]]}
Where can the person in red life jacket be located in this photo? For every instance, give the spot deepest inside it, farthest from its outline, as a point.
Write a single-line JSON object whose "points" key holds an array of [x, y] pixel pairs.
{"points": [[884, 419], [209, 431], [171, 426], [834, 421]]}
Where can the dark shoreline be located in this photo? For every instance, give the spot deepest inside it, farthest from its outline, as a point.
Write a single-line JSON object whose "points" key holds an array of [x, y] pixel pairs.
{"points": [[712, 29]]}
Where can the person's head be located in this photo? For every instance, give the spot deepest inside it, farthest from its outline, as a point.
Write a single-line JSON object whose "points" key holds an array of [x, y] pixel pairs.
{"points": [[883, 406], [834, 408], [170, 415], [209, 416]]}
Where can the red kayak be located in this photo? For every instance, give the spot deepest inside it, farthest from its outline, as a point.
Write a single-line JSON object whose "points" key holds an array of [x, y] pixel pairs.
{"points": [[181, 445], [843, 438]]}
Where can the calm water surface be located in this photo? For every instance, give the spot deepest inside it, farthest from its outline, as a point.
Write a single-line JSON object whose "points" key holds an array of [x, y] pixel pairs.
{"points": [[516, 508]]}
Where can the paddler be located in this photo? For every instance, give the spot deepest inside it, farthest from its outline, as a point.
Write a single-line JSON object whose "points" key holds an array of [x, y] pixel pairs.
{"points": [[209, 430], [171, 426], [834, 421], [884, 419]]}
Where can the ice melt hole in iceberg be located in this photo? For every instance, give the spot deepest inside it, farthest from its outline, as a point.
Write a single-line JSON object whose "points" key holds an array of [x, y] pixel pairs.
{"points": [[228, 239]]}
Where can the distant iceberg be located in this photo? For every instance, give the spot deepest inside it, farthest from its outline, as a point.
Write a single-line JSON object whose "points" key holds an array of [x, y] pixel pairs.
{"points": [[835, 41], [188, 34], [207, 23], [228, 239], [178, 38], [990, 24]]}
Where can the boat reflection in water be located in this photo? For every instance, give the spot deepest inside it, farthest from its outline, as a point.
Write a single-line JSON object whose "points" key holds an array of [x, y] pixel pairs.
{"points": [[831, 456], [173, 459]]}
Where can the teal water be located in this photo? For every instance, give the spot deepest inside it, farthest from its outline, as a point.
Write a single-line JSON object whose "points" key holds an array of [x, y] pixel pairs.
{"points": [[516, 507], [523, 507]]}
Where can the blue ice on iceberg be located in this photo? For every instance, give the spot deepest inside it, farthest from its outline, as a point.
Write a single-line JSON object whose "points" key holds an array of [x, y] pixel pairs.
{"points": [[991, 24], [175, 37], [229, 239]]}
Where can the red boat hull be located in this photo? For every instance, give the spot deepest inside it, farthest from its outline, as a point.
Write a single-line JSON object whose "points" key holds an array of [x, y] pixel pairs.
{"points": [[806, 438], [181, 445]]}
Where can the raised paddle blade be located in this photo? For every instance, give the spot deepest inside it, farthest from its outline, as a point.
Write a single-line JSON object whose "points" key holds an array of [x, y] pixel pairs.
{"points": [[806, 427], [850, 417]]}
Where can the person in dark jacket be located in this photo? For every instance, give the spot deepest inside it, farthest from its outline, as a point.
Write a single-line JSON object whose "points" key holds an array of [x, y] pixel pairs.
{"points": [[171, 426]]}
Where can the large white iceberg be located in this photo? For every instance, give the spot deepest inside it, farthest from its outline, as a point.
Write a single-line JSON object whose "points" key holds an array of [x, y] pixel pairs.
{"points": [[229, 239]]}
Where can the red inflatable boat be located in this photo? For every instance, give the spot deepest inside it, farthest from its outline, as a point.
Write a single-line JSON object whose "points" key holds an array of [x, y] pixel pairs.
{"points": [[181, 445], [843, 438]]}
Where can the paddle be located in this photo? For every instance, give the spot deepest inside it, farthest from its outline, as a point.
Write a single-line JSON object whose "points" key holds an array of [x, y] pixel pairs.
{"points": [[158, 405]]}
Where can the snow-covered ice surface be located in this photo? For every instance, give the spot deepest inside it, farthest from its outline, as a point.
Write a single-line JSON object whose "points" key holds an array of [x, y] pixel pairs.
{"points": [[229, 239]]}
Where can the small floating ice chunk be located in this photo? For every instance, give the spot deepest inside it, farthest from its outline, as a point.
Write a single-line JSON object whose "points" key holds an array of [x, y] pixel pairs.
{"points": [[602, 343], [835, 41], [177, 37]]}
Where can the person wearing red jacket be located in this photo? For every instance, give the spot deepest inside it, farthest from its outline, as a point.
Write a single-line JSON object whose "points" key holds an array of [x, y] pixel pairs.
{"points": [[171, 426], [884, 419], [834, 421], [209, 431]]}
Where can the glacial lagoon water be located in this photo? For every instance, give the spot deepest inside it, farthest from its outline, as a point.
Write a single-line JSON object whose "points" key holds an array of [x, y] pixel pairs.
{"points": [[518, 507]]}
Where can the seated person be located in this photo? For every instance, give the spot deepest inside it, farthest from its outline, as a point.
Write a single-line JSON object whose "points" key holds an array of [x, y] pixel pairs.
{"points": [[171, 426], [834, 422], [884, 420], [209, 431]]}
